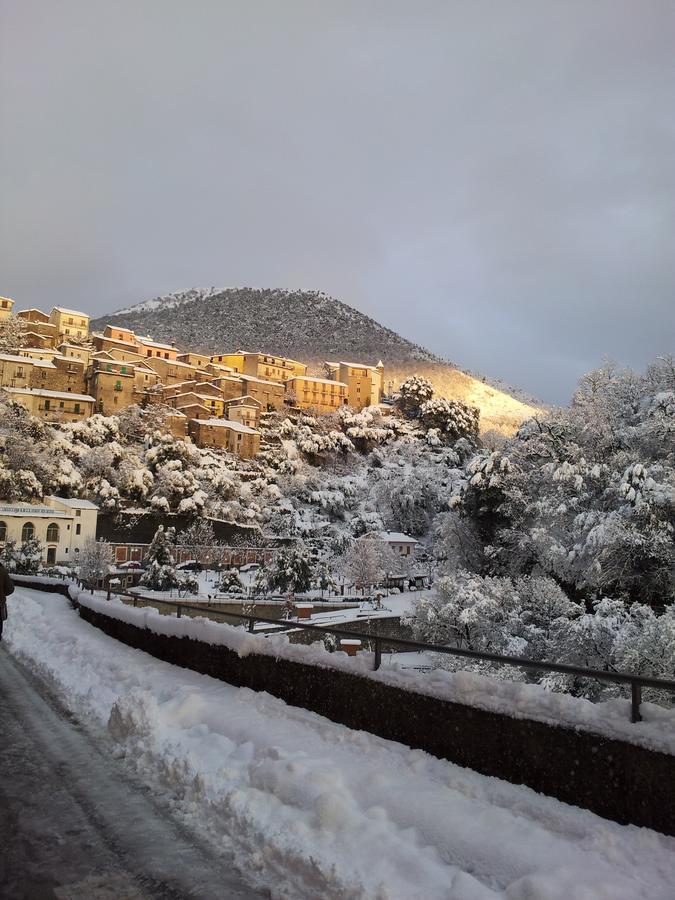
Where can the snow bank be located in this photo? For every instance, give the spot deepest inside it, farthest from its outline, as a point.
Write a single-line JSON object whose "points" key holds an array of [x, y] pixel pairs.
{"points": [[610, 718], [315, 809], [37, 579]]}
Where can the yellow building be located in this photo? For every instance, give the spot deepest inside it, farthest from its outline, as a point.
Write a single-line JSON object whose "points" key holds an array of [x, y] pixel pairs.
{"points": [[111, 384], [364, 383], [154, 350], [119, 333], [76, 352], [145, 379], [61, 526], [321, 394], [198, 360], [69, 323], [15, 370], [225, 435], [52, 406], [41, 331], [270, 394], [245, 410], [6, 306], [214, 405], [170, 371], [272, 368], [232, 361]]}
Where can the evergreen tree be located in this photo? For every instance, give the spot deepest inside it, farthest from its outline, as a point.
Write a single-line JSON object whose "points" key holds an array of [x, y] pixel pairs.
{"points": [[160, 574], [230, 582], [292, 571], [412, 394]]}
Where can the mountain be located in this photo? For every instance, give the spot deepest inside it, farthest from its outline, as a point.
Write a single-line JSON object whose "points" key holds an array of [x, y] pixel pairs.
{"points": [[312, 327], [296, 324]]}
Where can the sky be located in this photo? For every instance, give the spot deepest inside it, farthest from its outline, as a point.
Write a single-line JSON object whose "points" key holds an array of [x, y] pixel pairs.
{"points": [[493, 180]]}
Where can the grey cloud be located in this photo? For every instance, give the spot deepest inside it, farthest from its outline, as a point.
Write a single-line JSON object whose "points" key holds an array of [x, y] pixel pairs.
{"points": [[495, 181]]}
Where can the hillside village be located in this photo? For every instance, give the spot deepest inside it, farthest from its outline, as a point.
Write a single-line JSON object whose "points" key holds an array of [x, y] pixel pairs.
{"points": [[327, 484], [60, 372]]}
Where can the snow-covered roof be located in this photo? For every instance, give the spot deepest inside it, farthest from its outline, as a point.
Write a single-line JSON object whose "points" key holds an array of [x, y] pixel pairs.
{"points": [[58, 395], [70, 312], [258, 380], [109, 340], [148, 342], [354, 365], [246, 400], [43, 363], [74, 503], [226, 423], [11, 357], [319, 380], [396, 537]]}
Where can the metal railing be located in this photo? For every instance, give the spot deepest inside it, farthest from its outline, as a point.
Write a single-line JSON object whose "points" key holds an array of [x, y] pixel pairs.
{"points": [[636, 682]]}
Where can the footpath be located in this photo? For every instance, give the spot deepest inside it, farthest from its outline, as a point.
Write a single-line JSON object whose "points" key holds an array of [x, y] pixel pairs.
{"points": [[74, 826]]}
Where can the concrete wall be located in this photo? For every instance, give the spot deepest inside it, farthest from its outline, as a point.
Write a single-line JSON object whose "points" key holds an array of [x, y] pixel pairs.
{"points": [[617, 780]]}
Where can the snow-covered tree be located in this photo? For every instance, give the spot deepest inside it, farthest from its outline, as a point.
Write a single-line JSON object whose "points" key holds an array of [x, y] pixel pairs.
{"points": [[12, 334], [291, 570], [365, 561], [413, 393], [160, 574], [23, 559], [94, 561], [451, 419], [230, 582]]}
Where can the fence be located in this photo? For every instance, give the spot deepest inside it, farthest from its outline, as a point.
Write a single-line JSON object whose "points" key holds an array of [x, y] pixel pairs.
{"points": [[636, 682]]}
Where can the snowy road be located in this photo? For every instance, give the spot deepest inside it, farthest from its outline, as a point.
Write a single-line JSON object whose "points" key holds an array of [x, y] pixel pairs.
{"points": [[314, 809], [74, 825]]}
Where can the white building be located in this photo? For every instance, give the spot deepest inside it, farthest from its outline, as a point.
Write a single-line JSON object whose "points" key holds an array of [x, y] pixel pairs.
{"points": [[400, 543], [61, 526]]}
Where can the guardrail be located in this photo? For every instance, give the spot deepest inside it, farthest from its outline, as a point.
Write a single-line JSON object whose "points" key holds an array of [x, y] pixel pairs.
{"points": [[636, 682]]}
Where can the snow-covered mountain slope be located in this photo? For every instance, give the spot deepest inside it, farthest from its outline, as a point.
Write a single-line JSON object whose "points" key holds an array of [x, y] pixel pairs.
{"points": [[298, 324], [312, 327]]}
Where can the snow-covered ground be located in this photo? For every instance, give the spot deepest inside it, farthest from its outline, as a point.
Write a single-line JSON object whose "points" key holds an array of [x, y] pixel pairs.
{"points": [[317, 810]]}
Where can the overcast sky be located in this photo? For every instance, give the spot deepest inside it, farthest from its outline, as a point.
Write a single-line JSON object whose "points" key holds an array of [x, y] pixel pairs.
{"points": [[495, 180]]}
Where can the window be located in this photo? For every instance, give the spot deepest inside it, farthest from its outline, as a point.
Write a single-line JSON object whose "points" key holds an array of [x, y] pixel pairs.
{"points": [[108, 367], [78, 528], [118, 385], [61, 404], [47, 404], [3, 531], [52, 533], [76, 408], [27, 532], [123, 370]]}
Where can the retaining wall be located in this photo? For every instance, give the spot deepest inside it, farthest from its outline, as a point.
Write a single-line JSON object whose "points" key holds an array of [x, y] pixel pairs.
{"points": [[617, 780]]}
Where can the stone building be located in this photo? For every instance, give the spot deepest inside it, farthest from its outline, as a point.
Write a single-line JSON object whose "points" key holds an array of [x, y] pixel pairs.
{"points": [[52, 406], [225, 435], [69, 323], [61, 526], [364, 383], [111, 384], [271, 368], [245, 410], [322, 394], [6, 306]]}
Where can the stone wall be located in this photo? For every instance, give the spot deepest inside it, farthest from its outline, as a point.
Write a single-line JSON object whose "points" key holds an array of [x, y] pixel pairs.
{"points": [[614, 779]]}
